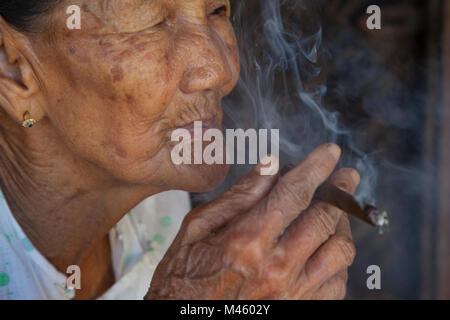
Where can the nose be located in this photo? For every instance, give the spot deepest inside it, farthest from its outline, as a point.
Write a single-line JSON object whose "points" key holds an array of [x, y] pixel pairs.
{"points": [[208, 65]]}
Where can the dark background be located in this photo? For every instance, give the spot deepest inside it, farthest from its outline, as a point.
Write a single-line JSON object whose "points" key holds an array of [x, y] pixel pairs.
{"points": [[388, 87], [393, 62]]}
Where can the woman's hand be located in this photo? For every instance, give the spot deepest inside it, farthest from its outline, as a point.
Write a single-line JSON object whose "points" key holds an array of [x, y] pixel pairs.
{"points": [[253, 243]]}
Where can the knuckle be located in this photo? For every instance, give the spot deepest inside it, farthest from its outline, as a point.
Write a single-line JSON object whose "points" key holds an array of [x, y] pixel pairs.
{"points": [[347, 249], [316, 171], [245, 185], [244, 250], [324, 222], [242, 192], [192, 224], [193, 227], [299, 195]]}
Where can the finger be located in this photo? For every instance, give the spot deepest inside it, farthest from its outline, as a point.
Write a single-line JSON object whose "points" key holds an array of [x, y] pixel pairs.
{"points": [[333, 256], [241, 197], [250, 189], [334, 289], [314, 226], [294, 191]]}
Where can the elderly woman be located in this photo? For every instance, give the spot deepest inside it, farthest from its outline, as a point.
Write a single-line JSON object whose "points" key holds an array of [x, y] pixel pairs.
{"points": [[86, 119]]}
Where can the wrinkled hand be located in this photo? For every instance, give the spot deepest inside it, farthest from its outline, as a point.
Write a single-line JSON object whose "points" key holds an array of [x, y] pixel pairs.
{"points": [[253, 243]]}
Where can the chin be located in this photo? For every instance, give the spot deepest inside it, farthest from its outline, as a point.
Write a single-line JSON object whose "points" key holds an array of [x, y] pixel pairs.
{"points": [[200, 178]]}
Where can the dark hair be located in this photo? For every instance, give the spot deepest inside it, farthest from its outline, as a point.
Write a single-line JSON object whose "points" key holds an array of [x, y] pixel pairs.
{"points": [[22, 14]]}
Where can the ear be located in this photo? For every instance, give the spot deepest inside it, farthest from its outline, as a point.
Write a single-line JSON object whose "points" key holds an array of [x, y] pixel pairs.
{"points": [[19, 85]]}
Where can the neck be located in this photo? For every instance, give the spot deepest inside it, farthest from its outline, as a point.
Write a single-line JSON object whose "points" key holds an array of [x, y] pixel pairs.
{"points": [[64, 204]]}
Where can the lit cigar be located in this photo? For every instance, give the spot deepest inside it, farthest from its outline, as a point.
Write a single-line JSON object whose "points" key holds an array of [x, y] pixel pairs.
{"points": [[346, 202]]}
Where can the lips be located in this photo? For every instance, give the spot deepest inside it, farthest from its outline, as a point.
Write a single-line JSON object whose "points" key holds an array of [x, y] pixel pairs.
{"points": [[206, 124], [205, 108]]}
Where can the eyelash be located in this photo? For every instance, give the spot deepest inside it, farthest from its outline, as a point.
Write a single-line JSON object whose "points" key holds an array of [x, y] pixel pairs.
{"points": [[220, 11]]}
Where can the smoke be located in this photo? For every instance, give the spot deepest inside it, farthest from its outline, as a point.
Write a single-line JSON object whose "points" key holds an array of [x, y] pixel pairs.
{"points": [[335, 84], [282, 86]]}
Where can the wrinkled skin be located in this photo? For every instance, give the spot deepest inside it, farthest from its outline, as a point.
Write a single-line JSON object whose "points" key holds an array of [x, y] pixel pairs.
{"points": [[251, 242], [138, 70], [107, 98]]}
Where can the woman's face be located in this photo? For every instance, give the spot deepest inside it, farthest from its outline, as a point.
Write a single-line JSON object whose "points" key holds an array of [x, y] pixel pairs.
{"points": [[136, 71]]}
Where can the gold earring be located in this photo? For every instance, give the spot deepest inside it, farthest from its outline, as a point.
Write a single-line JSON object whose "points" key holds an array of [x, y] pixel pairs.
{"points": [[28, 121]]}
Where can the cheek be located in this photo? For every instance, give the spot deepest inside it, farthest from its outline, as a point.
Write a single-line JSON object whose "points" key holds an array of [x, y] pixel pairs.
{"points": [[142, 82], [112, 104], [110, 111], [144, 87], [140, 73]]}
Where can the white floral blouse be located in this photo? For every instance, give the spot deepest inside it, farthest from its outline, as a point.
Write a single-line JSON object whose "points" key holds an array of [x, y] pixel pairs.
{"points": [[138, 243]]}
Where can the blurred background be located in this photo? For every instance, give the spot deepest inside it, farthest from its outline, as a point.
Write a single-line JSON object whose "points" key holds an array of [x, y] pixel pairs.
{"points": [[397, 109], [314, 70]]}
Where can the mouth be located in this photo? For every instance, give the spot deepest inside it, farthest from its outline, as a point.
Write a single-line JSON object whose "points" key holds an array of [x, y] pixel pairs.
{"points": [[203, 124], [197, 115]]}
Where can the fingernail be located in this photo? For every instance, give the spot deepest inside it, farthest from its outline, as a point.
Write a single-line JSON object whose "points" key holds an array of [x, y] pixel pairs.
{"points": [[355, 175], [334, 150], [342, 185]]}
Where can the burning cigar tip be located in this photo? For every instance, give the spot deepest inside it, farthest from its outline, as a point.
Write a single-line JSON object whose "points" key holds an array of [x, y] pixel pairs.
{"points": [[371, 215], [379, 218]]}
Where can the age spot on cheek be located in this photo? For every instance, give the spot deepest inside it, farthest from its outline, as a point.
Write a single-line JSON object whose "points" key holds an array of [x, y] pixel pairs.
{"points": [[130, 99]]}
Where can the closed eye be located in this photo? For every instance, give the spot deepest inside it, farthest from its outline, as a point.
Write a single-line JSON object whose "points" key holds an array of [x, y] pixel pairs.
{"points": [[220, 11]]}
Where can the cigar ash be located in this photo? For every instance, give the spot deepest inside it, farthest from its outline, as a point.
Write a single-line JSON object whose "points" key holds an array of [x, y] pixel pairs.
{"points": [[369, 214]]}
